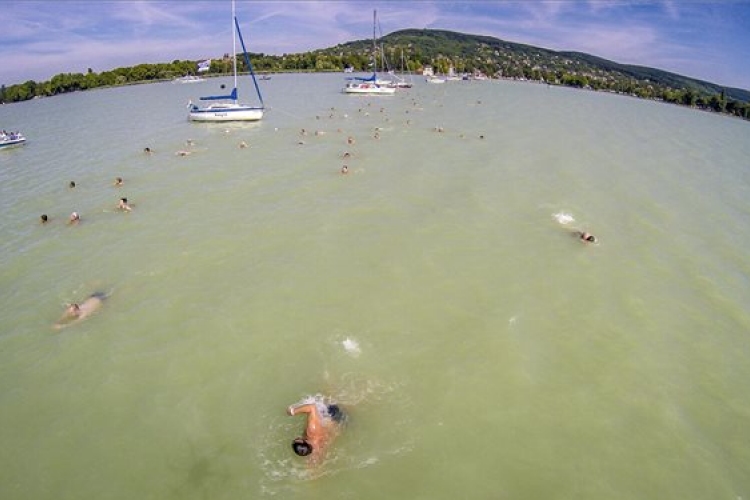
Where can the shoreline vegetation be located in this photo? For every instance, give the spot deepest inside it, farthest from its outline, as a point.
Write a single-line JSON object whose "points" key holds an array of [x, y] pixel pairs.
{"points": [[412, 50]]}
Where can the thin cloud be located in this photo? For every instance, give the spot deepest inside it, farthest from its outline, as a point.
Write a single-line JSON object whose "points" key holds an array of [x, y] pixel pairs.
{"points": [[43, 38]]}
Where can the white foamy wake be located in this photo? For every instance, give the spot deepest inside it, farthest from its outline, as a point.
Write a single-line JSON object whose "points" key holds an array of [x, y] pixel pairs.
{"points": [[351, 346], [563, 218]]}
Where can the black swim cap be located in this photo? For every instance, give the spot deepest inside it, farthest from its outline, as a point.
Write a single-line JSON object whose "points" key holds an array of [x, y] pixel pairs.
{"points": [[301, 447]]}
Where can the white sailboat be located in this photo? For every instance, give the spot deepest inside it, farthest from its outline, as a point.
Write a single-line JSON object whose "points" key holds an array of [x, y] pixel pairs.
{"points": [[371, 85], [188, 79], [228, 108], [401, 82]]}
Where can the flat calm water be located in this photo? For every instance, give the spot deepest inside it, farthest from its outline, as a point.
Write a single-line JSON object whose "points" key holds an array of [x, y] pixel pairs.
{"points": [[435, 291]]}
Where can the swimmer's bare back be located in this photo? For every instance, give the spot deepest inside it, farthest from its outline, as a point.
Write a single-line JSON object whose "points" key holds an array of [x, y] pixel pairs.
{"points": [[319, 431], [85, 309]]}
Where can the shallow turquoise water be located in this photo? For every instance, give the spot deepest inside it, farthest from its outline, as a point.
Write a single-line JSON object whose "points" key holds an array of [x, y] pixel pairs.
{"points": [[490, 354]]}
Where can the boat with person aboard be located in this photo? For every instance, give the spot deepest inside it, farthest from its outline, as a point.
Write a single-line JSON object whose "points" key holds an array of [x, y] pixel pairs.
{"points": [[10, 139]]}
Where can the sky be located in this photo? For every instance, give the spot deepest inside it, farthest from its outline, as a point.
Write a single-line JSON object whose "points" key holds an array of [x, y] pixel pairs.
{"points": [[708, 40]]}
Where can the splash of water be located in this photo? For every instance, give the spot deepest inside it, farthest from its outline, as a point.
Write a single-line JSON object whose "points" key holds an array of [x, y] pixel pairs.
{"points": [[351, 346], [563, 218]]}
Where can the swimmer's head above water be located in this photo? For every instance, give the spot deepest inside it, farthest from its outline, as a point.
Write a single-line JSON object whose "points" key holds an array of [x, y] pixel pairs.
{"points": [[583, 235], [301, 447]]}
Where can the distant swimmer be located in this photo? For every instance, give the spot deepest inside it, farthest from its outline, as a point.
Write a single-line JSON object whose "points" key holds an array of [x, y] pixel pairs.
{"points": [[124, 206], [72, 184], [586, 237], [118, 181], [77, 312], [43, 218], [350, 140], [182, 152], [323, 425], [147, 150], [344, 169], [242, 145], [74, 218]]}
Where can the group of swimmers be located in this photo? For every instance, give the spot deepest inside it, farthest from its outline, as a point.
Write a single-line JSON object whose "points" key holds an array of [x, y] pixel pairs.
{"points": [[75, 217], [324, 420], [76, 312]]}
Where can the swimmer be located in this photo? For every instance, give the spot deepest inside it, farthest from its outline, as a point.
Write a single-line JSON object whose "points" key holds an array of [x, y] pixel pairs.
{"points": [[43, 218], [77, 312], [346, 154], [323, 425], [242, 145], [147, 150], [182, 152], [72, 184], [74, 218], [350, 140], [344, 170], [118, 181], [123, 205], [585, 237]]}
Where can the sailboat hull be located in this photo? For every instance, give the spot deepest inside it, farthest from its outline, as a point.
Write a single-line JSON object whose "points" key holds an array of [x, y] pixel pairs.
{"points": [[368, 88], [225, 112]]}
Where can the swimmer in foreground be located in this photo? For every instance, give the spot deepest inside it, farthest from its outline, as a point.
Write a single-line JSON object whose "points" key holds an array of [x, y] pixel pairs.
{"points": [[323, 425], [76, 312], [585, 237], [74, 218]]}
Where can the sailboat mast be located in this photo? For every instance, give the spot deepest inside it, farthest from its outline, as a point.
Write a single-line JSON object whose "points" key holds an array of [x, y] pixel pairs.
{"points": [[234, 51], [374, 44]]}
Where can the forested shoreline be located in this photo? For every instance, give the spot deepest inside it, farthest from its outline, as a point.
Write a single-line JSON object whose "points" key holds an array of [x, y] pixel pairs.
{"points": [[411, 51]]}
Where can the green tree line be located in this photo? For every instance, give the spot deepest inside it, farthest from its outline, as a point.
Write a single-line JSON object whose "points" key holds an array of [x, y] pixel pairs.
{"points": [[411, 50]]}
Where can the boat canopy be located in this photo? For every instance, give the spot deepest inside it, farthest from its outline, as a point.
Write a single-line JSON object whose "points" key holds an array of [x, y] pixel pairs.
{"points": [[359, 78], [232, 96]]}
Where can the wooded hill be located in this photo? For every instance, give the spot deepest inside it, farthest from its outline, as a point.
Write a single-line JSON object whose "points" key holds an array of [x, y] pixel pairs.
{"points": [[440, 49], [413, 49]]}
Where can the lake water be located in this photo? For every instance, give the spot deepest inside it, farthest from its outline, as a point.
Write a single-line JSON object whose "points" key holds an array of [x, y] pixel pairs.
{"points": [[436, 292]]}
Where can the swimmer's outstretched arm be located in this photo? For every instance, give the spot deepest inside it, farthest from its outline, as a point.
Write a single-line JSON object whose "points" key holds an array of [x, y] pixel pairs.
{"points": [[306, 408]]}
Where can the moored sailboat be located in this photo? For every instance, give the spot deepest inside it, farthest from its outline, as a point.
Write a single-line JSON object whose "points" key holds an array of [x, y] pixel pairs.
{"points": [[370, 85], [229, 107]]}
